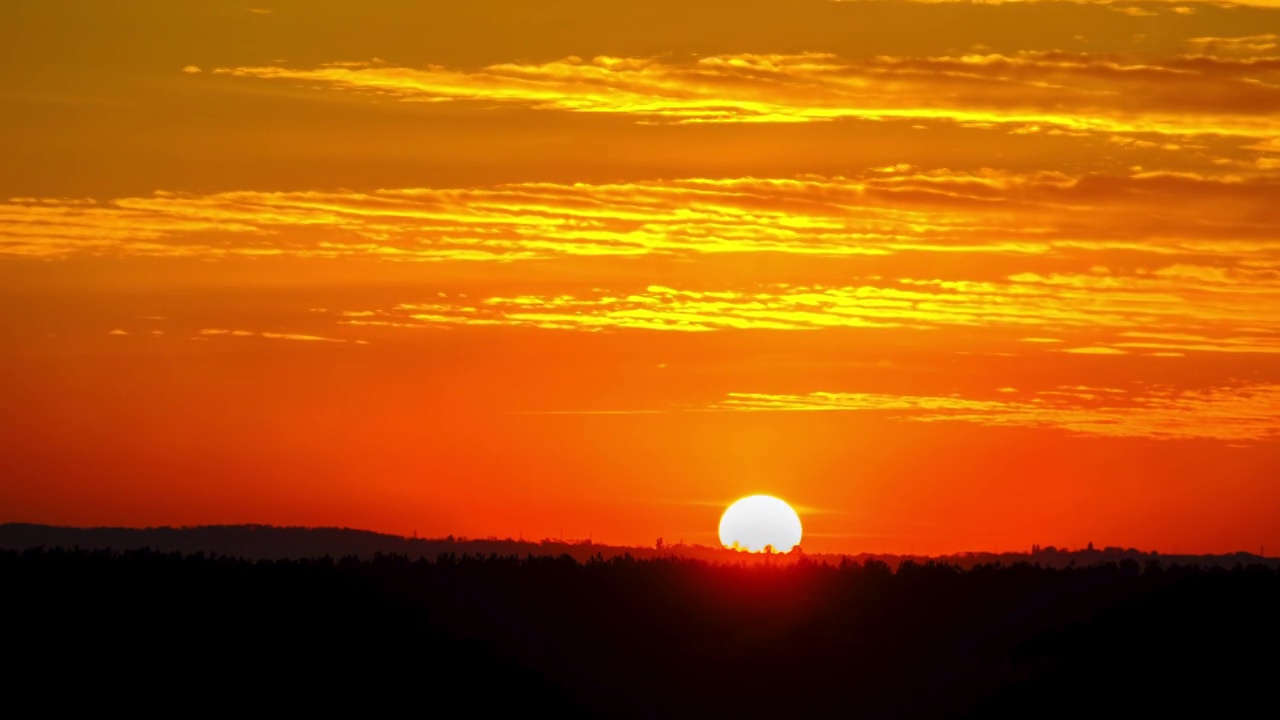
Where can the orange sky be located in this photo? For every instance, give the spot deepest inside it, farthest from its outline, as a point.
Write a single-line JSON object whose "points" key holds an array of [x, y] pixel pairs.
{"points": [[947, 276]]}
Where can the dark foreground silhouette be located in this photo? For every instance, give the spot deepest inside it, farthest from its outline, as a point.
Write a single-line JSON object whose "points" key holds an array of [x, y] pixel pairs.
{"points": [[147, 632]]}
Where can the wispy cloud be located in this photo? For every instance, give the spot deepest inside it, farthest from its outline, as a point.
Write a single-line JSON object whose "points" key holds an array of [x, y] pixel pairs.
{"points": [[881, 212], [1180, 7], [1191, 94], [1171, 309], [1265, 46], [222, 332], [1234, 414], [1133, 10]]}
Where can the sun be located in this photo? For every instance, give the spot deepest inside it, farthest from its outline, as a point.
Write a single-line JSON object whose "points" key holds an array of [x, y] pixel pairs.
{"points": [[758, 522]]}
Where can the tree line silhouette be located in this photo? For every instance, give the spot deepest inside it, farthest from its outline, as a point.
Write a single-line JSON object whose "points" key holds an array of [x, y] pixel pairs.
{"points": [[628, 637], [268, 542]]}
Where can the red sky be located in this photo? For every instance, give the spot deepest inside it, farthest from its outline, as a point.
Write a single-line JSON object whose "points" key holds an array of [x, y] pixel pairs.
{"points": [[946, 276]]}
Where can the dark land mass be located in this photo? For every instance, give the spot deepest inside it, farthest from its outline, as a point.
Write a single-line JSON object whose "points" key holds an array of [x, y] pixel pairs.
{"points": [[193, 633], [267, 542]]}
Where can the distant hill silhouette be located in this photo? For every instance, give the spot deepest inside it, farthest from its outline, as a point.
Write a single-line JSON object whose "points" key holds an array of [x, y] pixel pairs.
{"points": [[268, 542]]}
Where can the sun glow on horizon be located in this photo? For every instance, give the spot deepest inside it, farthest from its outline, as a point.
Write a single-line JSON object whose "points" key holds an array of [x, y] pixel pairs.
{"points": [[760, 523]]}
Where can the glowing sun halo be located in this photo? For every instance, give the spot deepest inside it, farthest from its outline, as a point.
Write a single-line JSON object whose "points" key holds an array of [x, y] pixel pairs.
{"points": [[755, 522]]}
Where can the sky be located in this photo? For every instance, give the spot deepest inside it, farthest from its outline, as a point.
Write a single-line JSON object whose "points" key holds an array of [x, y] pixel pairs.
{"points": [[946, 276]]}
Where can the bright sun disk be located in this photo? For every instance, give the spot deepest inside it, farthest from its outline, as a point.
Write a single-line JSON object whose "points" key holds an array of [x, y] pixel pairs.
{"points": [[759, 521]]}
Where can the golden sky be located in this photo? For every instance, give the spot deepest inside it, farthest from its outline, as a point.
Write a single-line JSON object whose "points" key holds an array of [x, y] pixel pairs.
{"points": [[945, 275]]}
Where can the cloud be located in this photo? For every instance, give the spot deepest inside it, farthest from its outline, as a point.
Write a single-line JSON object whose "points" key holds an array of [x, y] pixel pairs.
{"points": [[1095, 350], [1183, 8], [882, 212], [192, 70], [1073, 91], [221, 332], [1132, 10], [1177, 308], [1239, 413], [1265, 46]]}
